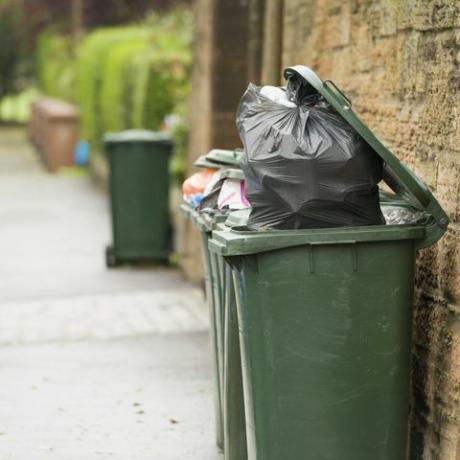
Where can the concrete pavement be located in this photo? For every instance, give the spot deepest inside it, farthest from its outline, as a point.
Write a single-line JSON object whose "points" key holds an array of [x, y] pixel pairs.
{"points": [[94, 364]]}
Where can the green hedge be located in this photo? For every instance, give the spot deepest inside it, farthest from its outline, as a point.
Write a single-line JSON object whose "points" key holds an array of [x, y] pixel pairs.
{"points": [[122, 77], [95, 50], [116, 90], [56, 66], [14, 58]]}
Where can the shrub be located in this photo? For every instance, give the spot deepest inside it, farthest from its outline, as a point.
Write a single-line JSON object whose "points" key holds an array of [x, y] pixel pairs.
{"points": [[13, 62], [116, 92], [16, 107], [56, 66], [91, 63], [155, 84], [121, 77]]}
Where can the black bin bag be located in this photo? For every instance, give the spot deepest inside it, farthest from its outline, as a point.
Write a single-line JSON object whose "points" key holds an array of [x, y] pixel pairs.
{"points": [[304, 166]]}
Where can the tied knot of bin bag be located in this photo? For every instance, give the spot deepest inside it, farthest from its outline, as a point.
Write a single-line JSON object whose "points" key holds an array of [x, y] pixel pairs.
{"points": [[304, 166]]}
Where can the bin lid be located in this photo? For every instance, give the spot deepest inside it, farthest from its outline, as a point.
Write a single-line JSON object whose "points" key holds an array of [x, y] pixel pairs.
{"points": [[56, 109], [223, 220], [237, 241], [225, 157], [202, 162], [208, 222], [232, 173], [137, 135], [396, 175]]}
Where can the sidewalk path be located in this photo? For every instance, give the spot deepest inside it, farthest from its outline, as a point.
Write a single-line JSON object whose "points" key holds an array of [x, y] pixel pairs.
{"points": [[94, 363]]}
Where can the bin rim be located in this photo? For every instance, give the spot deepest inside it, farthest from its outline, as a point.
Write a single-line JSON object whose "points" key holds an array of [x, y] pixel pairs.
{"points": [[397, 176], [232, 173], [203, 162], [240, 241], [191, 213], [237, 218], [137, 135], [207, 222], [225, 157]]}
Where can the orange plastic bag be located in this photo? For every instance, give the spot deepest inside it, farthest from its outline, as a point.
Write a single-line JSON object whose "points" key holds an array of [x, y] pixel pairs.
{"points": [[197, 182]]}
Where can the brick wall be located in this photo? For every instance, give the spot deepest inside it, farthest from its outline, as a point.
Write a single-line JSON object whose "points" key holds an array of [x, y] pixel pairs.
{"points": [[398, 61]]}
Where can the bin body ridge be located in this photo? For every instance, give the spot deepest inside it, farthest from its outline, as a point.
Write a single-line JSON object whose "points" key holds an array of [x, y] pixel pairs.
{"points": [[326, 343], [216, 345], [234, 414]]}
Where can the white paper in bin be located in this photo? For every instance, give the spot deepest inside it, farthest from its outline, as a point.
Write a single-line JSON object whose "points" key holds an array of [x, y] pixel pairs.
{"points": [[232, 195]]}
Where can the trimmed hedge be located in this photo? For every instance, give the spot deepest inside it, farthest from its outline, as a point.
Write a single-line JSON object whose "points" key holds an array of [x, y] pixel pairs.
{"points": [[120, 77], [55, 66], [92, 59], [115, 90], [123, 77]]}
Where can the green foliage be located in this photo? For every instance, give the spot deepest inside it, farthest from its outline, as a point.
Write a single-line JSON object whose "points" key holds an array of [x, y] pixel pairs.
{"points": [[163, 86], [155, 89], [91, 63], [12, 52], [115, 94], [16, 107], [56, 66], [122, 77]]}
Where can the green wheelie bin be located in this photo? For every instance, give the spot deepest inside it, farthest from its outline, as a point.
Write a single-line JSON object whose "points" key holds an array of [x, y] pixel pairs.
{"points": [[228, 410], [233, 397], [205, 229], [139, 196], [325, 323], [205, 225], [226, 338], [226, 333]]}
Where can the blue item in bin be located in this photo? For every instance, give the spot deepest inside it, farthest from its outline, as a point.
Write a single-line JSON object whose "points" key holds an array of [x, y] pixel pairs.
{"points": [[195, 200], [81, 153]]}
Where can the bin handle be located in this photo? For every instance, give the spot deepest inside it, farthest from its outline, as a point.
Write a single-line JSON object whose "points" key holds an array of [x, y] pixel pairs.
{"points": [[328, 83]]}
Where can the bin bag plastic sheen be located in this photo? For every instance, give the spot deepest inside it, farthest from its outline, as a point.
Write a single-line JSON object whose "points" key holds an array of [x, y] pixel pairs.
{"points": [[304, 166]]}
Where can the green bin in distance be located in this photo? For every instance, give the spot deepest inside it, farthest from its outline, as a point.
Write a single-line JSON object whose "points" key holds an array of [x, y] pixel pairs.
{"points": [[325, 321], [139, 196]]}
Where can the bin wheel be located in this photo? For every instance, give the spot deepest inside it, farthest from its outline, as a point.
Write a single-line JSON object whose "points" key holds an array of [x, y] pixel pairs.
{"points": [[110, 258]]}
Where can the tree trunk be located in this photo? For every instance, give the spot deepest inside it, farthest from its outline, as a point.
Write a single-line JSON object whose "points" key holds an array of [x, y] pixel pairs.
{"points": [[271, 67], [256, 40], [77, 19]]}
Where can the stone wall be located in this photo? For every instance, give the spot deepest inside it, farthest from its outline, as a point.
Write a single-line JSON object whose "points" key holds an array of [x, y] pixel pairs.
{"points": [[398, 60]]}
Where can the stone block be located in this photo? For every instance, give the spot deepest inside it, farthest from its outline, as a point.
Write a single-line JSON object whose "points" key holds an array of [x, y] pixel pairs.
{"points": [[448, 186]]}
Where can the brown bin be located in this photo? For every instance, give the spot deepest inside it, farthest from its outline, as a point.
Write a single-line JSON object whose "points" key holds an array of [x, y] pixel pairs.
{"points": [[54, 131]]}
